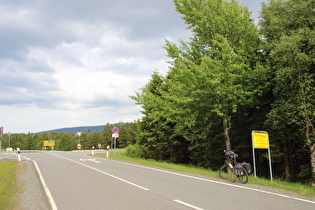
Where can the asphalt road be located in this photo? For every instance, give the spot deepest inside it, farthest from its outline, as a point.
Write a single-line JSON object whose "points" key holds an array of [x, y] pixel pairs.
{"points": [[78, 181]]}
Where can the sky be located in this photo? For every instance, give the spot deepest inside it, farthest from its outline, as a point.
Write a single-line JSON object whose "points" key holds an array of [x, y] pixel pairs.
{"points": [[76, 62]]}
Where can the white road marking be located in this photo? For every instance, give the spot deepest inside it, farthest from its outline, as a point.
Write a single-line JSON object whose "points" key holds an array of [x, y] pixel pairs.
{"points": [[218, 182], [189, 176], [26, 158], [50, 198], [103, 172], [189, 205], [92, 160]]}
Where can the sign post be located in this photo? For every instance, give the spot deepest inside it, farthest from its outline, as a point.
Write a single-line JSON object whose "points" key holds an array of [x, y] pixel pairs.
{"points": [[9, 141], [115, 131], [260, 140], [1, 134], [79, 134], [79, 145]]}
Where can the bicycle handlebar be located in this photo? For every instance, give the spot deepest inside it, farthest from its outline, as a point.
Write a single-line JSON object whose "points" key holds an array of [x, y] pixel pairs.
{"points": [[233, 155]]}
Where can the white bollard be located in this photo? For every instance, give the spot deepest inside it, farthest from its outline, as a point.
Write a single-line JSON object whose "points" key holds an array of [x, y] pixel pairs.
{"points": [[18, 154], [107, 151]]}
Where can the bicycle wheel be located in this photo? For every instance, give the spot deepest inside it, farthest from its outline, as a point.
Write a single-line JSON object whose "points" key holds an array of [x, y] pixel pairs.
{"points": [[225, 171], [243, 179]]}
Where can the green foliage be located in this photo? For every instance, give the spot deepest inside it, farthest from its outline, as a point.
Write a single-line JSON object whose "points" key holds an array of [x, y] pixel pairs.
{"points": [[288, 28], [136, 151], [221, 85], [226, 78], [210, 78], [302, 189], [68, 142]]}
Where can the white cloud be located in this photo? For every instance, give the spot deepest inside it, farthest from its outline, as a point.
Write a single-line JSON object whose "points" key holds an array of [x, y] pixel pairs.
{"points": [[75, 62]]}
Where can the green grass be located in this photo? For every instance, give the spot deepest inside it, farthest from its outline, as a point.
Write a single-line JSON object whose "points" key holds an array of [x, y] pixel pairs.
{"points": [[302, 189], [9, 186]]}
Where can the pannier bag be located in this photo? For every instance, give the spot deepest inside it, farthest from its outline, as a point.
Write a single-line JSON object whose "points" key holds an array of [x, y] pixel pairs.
{"points": [[248, 167], [239, 170]]}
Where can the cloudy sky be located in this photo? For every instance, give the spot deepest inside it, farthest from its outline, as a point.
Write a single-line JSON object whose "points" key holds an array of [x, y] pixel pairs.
{"points": [[75, 62]]}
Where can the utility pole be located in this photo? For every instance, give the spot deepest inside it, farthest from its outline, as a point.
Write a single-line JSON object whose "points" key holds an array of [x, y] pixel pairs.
{"points": [[1, 133], [9, 139]]}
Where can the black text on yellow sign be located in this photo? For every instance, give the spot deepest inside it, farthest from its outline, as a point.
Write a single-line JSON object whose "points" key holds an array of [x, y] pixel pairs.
{"points": [[260, 140]]}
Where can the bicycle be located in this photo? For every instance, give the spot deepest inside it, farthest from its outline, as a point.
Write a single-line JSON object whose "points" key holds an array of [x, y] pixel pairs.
{"points": [[231, 166]]}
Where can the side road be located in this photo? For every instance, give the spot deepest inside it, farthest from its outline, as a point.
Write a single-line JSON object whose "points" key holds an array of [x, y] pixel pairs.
{"points": [[33, 195]]}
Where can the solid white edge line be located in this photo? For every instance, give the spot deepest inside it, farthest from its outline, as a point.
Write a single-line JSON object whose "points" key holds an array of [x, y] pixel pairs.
{"points": [[189, 205], [48, 194], [193, 177], [219, 182]]}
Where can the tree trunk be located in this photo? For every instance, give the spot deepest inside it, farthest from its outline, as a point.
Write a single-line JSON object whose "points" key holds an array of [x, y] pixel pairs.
{"points": [[286, 162], [312, 148], [310, 128], [312, 151], [226, 134]]}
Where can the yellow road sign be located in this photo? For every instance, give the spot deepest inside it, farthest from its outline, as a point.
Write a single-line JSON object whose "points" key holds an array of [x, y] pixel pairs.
{"points": [[260, 140], [49, 143]]}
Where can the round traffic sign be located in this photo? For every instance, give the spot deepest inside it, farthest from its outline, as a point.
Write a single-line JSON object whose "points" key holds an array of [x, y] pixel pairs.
{"points": [[115, 130], [79, 146]]}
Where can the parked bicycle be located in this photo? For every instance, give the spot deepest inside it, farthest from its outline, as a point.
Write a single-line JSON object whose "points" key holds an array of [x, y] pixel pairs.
{"points": [[231, 166]]}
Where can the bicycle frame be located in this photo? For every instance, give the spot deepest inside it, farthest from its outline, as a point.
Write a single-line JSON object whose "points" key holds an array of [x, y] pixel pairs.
{"points": [[229, 168]]}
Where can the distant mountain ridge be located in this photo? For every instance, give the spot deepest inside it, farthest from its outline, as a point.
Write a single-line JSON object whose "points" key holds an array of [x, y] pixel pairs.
{"points": [[83, 129]]}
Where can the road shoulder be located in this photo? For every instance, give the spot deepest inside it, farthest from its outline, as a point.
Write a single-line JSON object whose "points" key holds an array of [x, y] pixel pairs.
{"points": [[33, 195]]}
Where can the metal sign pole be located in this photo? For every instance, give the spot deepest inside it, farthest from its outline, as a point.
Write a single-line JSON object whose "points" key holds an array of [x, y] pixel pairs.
{"points": [[9, 139], [115, 146], [1, 133], [269, 160], [260, 140], [115, 131], [254, 159]]}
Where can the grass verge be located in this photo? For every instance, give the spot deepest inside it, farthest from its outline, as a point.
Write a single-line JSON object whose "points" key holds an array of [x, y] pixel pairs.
{"points": [[302, 189], [9, 187]]}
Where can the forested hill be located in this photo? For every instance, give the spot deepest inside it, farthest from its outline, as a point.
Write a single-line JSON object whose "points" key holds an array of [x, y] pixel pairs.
{"points": [[83, 129]]}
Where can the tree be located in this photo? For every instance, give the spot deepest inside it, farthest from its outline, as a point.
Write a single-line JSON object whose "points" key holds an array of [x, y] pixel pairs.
{"points": [[127, 134], [29, 143], [221, 59], [288, 29], [107, 136], [210, 78], [152, 126], [97, 139]]}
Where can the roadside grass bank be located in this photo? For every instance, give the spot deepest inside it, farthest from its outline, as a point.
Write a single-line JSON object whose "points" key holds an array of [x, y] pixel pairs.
{"points": [[9, 185], [302, 189]]}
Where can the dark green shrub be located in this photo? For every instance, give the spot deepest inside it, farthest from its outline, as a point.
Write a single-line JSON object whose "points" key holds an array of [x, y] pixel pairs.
{"points": [[136, 151]]}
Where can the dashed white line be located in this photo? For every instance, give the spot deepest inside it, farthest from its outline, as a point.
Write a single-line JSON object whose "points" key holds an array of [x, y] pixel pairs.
{"points": [[189, 205], [222, 183], [103, 172]]}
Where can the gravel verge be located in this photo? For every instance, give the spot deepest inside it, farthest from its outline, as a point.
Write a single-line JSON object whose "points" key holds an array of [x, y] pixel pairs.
{"points": [[33, 195]]}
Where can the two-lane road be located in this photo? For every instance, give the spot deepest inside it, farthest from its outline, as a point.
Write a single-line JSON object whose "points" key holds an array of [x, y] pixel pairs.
{"points": [[78, 181]]}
